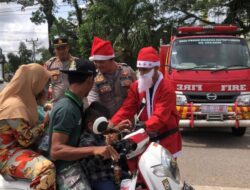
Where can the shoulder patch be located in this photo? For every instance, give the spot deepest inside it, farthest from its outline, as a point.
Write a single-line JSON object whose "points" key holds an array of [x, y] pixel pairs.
{"points": [[72, 58], [52, 59], [99, 78], [123, 64]]}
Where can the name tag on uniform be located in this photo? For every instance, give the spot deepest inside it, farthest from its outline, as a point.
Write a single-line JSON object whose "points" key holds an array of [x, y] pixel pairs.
{"points": [[104, 88]]}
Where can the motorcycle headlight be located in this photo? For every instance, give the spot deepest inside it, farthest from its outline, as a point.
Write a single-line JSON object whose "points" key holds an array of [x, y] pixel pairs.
{"points": [[168, 167], [243, 100], [181, 100]]}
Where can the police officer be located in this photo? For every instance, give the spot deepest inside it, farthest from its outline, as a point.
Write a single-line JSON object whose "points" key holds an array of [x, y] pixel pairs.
{"points": [[62, 60], [113, 79]]}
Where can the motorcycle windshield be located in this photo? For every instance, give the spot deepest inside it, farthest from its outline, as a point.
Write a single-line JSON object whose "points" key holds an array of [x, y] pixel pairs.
{"points": [[210, 53]]}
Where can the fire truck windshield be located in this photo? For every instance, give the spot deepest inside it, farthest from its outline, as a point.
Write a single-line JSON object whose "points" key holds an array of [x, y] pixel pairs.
{"points": [[210, 53]]}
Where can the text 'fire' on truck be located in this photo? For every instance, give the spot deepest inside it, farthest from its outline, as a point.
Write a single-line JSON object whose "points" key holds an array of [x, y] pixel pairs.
{"points": [[210, 69]]}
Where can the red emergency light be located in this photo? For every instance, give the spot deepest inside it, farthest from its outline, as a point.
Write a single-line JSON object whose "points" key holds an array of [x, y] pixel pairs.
{"points": [[219, 29]]}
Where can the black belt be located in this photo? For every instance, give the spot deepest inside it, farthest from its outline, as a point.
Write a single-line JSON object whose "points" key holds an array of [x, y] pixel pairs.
{"points": [[164, 134]]}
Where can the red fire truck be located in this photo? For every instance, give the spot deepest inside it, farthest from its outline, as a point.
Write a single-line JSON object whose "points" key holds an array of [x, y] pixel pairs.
{"points": [[210, 69]]}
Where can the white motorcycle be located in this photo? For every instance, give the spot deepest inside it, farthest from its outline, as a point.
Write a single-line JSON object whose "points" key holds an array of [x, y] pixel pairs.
{"points": [[155, 166]]}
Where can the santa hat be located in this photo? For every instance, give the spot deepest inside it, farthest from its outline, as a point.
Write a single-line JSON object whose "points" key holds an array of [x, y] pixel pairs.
{"points": [[101, 50], [148, 58]]}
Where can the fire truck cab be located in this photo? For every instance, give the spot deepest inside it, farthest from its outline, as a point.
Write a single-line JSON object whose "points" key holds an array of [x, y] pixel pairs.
{"points": [[210, 69]]}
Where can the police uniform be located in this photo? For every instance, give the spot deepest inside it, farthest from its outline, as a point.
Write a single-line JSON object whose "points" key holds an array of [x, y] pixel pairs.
{"points": [[59, 81], [111, 89]]}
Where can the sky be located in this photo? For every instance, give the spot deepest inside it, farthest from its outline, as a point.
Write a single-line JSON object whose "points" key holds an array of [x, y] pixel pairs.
{"points": [[16, 27]]}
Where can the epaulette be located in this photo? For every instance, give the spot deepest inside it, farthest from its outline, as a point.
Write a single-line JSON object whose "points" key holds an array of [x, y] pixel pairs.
{"points": [[50, 61], [73, 58], [122, 64]]}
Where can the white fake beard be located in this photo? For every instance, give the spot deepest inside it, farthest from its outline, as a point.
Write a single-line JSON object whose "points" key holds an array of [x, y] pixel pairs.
{"points": [[145, 81]]}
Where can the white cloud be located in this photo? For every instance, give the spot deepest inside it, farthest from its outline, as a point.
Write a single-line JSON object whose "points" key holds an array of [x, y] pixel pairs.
{"points": [[16, 27]]}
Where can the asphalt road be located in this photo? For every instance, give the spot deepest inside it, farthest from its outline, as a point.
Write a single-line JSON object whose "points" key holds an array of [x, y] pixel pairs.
{"points": [[214, 157]]}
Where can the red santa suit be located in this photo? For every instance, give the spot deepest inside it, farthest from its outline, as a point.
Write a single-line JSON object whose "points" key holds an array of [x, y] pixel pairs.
{"points": [[159, 116]]}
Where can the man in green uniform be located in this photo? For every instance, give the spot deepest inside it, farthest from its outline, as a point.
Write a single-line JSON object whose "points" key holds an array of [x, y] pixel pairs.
{"points": [[66, 127], [113, 79]]}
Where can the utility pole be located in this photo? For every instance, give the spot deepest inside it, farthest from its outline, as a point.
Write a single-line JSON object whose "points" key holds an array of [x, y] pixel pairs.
{"points": [[33, 48]]}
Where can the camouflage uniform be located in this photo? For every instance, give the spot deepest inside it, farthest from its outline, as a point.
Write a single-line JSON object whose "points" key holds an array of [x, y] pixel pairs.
{"points": [[59, 80], [111, 89]]}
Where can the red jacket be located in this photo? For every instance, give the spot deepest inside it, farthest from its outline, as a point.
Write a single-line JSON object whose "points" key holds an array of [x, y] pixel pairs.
{"points": [[164, 115]]}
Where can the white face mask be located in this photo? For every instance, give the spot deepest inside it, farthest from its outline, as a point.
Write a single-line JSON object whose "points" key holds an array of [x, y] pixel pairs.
{"points": [[145, 81]]}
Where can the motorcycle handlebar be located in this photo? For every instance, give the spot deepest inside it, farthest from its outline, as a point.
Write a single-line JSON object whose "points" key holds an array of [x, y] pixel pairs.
{"points": [[124, 146]]}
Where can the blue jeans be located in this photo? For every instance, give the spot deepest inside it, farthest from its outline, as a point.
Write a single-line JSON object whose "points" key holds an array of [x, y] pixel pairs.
{"points": [[106, 184]]}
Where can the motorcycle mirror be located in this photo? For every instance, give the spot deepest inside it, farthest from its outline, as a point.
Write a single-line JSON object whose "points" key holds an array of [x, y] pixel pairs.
{"points": [[100, 125]]}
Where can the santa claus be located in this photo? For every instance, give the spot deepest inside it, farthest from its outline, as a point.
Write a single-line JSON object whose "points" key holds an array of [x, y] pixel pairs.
{"points": [[153, 99]]}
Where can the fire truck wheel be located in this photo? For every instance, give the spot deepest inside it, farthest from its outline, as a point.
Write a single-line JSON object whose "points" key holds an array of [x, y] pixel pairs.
{"points": [[238, 131]]}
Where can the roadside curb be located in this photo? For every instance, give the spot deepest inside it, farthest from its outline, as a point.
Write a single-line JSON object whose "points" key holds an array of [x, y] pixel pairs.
{"points": [[196, 187]]}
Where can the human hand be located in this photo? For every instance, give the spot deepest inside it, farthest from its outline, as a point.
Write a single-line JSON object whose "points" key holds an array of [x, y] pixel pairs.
{"points": [[48, 106], [124, 124], [111, 138], [106, 152]]}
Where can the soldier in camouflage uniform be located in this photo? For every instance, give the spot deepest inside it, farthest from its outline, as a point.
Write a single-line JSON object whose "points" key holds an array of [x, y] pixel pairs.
{"points": [[62, 60], [113, 79]]}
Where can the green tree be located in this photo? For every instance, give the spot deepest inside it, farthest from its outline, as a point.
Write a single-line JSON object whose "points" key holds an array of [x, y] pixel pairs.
{"points": [[196, 11], [78, 13], [46, 13], [23, 57], [24, 54], [14, 62], [129, 24], [132, 24], [42, 15], [45, 54]]}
